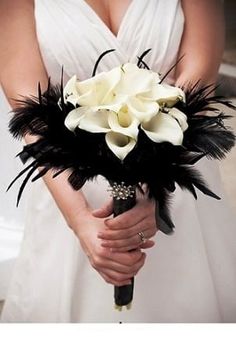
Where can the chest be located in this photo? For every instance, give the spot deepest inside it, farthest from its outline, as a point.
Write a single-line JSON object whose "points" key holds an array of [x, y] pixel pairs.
{"points": [[111, 12]]}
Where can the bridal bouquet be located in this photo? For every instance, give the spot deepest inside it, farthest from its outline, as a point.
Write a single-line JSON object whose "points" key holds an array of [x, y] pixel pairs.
{"points": [[130, 127]]}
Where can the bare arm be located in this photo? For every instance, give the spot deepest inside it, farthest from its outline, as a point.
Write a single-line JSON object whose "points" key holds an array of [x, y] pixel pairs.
{"points": [[202, 42], [21, 68]]}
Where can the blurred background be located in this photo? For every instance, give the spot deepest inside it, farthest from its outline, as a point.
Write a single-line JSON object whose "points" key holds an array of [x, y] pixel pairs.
{"points": [[11, 223], [227, 81]]}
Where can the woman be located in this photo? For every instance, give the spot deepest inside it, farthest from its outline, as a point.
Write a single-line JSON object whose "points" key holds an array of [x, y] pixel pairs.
{"points": [[54, 281]]}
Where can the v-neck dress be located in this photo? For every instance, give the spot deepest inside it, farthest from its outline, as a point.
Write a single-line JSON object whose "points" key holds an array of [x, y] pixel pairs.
{"points": [[189, 276]]}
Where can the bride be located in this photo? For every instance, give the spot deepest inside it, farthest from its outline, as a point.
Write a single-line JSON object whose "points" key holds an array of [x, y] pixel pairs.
{"points": [[72, 252]]}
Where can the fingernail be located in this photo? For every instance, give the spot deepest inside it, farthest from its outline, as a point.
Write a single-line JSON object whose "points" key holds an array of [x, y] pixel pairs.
{"points": [[100, 235]]}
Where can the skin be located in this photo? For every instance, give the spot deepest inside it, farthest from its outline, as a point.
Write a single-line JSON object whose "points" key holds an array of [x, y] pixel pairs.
{"points": [[106, 242]]}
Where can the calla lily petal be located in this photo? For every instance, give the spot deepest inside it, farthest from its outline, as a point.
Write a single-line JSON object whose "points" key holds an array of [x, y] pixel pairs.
{"points": [[180, 117], [165, 94], [135, 80], [74, 117], [70, 91], [142, 110], [119, 144], [111, 107], [95, 121], [163, 128], [124, 123], [88, 99], [100, 86]]}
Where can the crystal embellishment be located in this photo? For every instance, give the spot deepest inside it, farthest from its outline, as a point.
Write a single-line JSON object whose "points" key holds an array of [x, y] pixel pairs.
{"points": [[121, 191]]}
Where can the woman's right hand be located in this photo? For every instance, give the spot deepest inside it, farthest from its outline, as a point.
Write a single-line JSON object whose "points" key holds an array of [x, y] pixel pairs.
{"points": [[116, 268]]}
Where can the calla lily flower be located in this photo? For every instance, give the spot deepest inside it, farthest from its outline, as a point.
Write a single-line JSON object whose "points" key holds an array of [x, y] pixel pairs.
{"points": [[163, 128], [135, 80], [165, 94], [95, 121], [180, 117], [97, 90], [119, 144], [74, 117], [123, 122], [141, 109]]}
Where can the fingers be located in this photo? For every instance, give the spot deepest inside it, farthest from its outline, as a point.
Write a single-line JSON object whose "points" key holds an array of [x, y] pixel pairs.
{"points": [[147, 227], [138, 213], [112, 257], [111, 280], [146, 245], [128, 259], [104, 211], [127, 244], [122, 231], [123, 263], [122, 221], [118, 278], [124, 240]]}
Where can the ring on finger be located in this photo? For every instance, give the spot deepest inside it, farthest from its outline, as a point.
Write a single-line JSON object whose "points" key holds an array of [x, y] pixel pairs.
{"points": [[142, 237]]}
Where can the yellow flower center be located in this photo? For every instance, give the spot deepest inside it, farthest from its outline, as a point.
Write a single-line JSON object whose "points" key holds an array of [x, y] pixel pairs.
{"points": [[124, 118]]}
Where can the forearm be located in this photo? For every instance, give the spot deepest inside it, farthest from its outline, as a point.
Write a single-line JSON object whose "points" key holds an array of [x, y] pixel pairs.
{"points": [[71, 203], [202, 41]]}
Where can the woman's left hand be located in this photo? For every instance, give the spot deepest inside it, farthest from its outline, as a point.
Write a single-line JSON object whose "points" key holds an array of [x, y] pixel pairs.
{"points": [[130, 230]]}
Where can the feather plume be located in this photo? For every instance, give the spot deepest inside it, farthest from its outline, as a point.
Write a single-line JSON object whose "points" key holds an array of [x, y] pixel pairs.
{"points": [[159, 165]]}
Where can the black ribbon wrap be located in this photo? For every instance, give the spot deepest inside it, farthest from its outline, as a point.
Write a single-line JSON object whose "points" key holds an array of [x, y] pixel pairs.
{"points": [[123, 295]]}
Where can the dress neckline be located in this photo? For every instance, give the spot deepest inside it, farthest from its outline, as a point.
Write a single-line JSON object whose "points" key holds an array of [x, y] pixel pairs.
{"points": [[102, 23]]}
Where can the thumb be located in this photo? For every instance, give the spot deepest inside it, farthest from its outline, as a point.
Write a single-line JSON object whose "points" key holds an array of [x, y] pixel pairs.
{"points": [[104, 211]]}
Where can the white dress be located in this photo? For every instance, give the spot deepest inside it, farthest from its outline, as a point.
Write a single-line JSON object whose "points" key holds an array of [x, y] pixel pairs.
{"points": [[189, 276]]}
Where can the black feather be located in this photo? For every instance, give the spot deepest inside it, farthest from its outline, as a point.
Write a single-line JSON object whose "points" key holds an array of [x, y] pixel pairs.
{"points": [[158, 165]]}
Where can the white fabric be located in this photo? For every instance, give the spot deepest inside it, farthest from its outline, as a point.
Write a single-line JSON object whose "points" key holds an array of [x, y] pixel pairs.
{"points": [[189, 276], [11, 218]]}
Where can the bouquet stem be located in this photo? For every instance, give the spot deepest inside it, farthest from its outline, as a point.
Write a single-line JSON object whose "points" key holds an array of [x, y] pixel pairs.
{"points": [[124, 198]]}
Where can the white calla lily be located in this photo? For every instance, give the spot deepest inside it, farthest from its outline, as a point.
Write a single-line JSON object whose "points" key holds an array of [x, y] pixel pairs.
{"points": [[97, 90], [180, 117], [165, 94], [141, 109], [119, 144], [74, 117], [124, 123], [101, 88], [163, 128], [95, 121], [135, 80]]}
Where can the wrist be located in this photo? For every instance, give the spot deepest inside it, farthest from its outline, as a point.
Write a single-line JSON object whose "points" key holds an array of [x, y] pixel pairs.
{"points": [[76, 218]]}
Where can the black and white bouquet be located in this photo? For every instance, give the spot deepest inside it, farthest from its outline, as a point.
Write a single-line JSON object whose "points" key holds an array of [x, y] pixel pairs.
{"points": [[131, 128]]}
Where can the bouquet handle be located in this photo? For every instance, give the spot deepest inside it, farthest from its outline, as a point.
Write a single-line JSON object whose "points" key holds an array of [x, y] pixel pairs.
{"points": [[124, 198]]}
